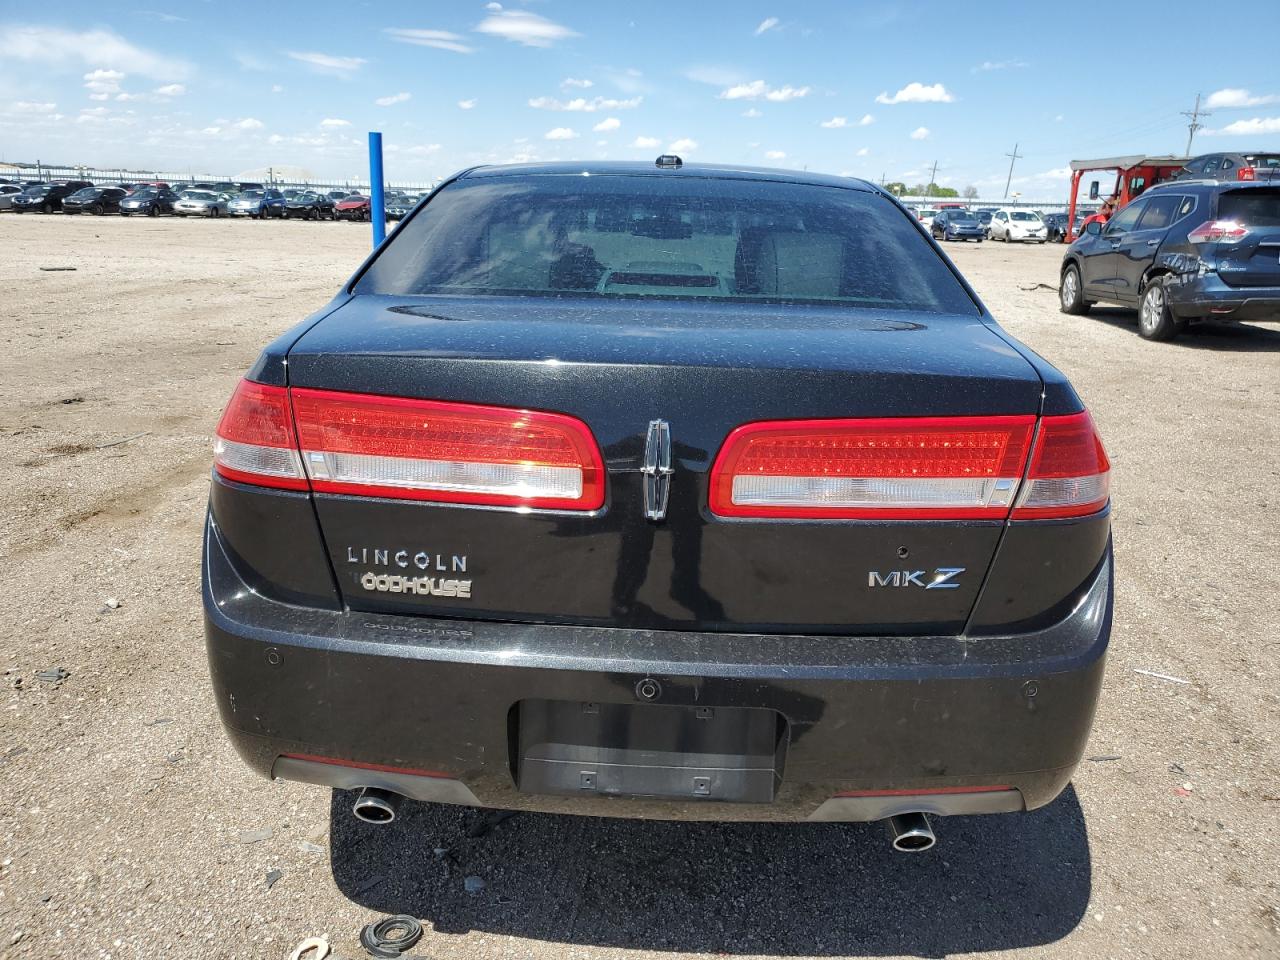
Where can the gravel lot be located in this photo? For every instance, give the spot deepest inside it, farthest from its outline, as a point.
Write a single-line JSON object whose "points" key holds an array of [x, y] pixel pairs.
{"points": [[125, 818]]}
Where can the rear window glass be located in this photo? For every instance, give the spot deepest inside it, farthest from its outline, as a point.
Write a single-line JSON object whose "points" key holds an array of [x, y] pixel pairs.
{"points": [[617, 236], [1252, 208]]}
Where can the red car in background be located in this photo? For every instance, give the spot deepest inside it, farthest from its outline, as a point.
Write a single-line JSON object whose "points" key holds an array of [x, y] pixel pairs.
{"points": [[352, 208]]}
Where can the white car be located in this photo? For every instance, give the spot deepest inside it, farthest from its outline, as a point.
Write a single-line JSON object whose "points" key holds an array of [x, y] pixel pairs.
{"points": [[7, 192], [1025, 226], [926, 216]]}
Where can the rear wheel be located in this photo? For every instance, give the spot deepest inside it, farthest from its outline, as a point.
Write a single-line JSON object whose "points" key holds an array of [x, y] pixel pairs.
{"points": [[1071, 293], [1155, 320], [97, 210]]}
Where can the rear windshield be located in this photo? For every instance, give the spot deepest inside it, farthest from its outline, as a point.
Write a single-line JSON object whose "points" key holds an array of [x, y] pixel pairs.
{"points": [[1251, 208], [1271, 160], [618, 236]]}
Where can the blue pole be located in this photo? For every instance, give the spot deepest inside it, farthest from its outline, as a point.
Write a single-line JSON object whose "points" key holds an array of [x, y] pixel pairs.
{"points": [[377, 201]]}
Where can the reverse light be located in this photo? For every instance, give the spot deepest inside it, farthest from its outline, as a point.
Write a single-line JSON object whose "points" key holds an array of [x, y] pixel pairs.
{"points": [[1069, 475], [255, 439], [448, 452], [920, 468], [1218, 231]]}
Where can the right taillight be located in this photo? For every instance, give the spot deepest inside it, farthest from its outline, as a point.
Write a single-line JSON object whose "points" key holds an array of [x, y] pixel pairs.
{"points": [[1218, 231], [1069, 474]]}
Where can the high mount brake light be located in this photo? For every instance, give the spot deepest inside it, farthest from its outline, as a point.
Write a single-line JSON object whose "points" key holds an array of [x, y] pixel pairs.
{"points": [[448, 452], [255, 439], [1069, 474], [926, 468], [1246, 173], [1218, 231], [409, 449]]}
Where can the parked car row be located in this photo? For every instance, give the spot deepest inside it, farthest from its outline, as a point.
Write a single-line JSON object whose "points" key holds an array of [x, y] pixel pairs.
{"points": [[219, 199]]}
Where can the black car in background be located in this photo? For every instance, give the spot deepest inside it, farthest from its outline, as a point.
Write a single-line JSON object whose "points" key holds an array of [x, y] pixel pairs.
{"points": [[1056, 226], [46, 197], [1232, 166], [956, 224], [151, 201], [94, 200], [400, 205], [671, 491], [306, 205], [1183, 252]]}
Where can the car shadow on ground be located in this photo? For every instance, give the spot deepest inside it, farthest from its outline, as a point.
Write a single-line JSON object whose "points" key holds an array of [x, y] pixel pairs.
{"points": [[992, 883], [1234, 337]]}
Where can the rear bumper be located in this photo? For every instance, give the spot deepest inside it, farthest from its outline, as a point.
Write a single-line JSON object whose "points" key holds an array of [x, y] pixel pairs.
{"points": [[429, 708], [1208, 296]]}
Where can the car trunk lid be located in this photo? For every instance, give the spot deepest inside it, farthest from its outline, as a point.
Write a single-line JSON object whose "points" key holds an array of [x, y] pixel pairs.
{"points": [[1253, 261], [705, 369]]}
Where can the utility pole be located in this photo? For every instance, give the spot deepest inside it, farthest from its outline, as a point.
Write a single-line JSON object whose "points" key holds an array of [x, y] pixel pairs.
{"points": [[1195, 113], [933, 177], [1015, 156]]}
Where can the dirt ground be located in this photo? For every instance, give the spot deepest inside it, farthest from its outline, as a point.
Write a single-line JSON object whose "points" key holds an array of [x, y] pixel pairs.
{"points": [[127, 823]]}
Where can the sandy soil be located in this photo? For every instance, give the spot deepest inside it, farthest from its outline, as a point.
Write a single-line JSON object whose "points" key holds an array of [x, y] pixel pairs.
{"points": [[123, 811]]}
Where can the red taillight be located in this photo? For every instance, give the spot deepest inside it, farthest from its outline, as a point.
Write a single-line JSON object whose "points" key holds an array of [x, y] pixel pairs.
{"points": [[927, 468], [1069, 474], [255, 439], [1246, 173], [448, 452], [1218, 231]]}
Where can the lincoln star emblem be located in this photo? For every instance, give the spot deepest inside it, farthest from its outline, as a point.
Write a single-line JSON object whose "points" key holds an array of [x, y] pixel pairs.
{"points": [[657, 469]]}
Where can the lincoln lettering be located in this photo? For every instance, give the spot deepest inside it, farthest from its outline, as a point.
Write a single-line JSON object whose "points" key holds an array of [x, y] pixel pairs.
{"points": [[407, 559]]}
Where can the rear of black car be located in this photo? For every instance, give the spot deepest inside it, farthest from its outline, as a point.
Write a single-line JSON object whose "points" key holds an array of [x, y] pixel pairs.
{"points": [[1228, 264], [678, 493]]}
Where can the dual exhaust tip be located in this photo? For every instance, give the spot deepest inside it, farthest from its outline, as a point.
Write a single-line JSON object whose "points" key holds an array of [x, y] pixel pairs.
{"points": [[908, 832]]}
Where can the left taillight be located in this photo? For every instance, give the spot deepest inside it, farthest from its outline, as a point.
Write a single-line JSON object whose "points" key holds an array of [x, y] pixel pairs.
{"points": [[926, 468], [365, 445], [255, 440]]}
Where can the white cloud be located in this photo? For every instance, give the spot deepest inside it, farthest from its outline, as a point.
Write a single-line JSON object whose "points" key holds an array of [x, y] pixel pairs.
{"points": [[752, 113], [767, 24], [495, 7], [683, 145], [94, 48], [467, 104], [332, 122], [525, 28], [645, 143], [775, 155], [715, 76], [102, 83], [1253, 127], [327, 63], [920, 133], [1233, 97], [394, 98], [571, 83], [862, 152], [276, 88], [756, 89], [583, 105], [867, 120], [171, 90], [561, 133], [438, 39], [422, 150], [835, 123], [248, 123], [212, 131], [29, 106], [986, 66], [607, 124], [918, 93]]}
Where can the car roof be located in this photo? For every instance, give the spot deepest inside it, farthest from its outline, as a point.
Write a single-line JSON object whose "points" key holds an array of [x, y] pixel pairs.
{"points": [[643, 169], [1185, 182]]}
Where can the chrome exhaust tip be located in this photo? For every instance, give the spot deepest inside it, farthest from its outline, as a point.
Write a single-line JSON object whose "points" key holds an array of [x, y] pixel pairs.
{"points": [[910, 832], [375, 805]]}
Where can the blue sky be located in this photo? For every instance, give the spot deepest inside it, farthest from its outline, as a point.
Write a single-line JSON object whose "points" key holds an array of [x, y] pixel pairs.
{"points": [[867, 90]]}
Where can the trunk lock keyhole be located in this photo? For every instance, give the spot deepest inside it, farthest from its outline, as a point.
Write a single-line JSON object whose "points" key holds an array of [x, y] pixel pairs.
{"points": [[648, 689]]}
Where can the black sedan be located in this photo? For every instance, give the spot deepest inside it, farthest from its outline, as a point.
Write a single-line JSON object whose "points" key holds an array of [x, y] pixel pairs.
{"points": [[306, 205], [46, 197], [94, 200], [151, 201], [669, 491]]}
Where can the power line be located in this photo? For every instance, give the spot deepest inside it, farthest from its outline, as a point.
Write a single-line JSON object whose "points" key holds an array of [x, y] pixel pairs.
{"points": [[1012, 158], [1195, 113]]}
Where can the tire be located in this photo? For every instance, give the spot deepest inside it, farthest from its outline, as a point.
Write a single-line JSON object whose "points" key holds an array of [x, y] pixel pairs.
{"points": [[153, 211], [97, 210], [1155, 320], [1071, 293], [47, 208]]}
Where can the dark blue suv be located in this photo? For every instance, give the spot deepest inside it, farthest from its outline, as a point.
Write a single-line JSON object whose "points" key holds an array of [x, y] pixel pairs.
{"points": [[1185, 251]]}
